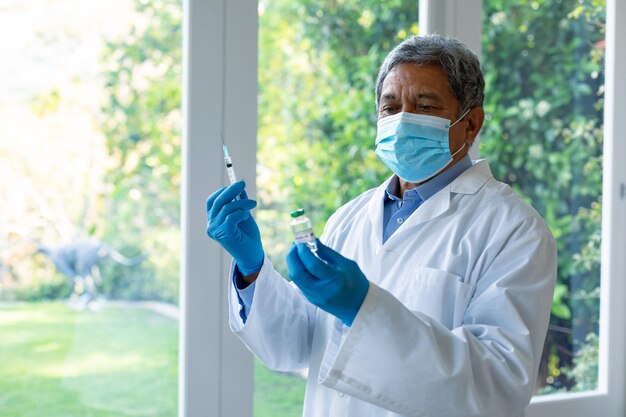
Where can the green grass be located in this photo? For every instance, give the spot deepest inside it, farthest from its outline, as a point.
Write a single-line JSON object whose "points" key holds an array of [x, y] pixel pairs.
{"points": [[57, 362], [117, 362], [277, 395]]}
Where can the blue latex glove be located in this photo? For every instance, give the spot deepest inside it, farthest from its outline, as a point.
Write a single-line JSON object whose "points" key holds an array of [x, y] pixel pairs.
{"points": [[232, 226], [334, 284]]}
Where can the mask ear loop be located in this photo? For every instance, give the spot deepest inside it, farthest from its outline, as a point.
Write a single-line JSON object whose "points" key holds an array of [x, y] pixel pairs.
{"points": [[457, 152], [464, 143], [460, 118]]}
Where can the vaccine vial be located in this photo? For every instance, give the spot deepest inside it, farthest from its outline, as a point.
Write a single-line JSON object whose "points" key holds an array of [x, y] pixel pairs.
{"points": [[303, 229]]}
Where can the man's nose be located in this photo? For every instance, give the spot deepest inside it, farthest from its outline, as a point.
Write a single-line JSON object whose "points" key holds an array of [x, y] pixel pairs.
{"points": [[409, 107]]}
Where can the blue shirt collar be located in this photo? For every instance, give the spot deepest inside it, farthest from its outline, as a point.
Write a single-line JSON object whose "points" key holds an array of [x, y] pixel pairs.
{"points": [[433, 186]]}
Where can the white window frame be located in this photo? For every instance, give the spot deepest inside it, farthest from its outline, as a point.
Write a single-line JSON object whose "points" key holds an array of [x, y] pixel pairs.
{"points": [[220, 94]]}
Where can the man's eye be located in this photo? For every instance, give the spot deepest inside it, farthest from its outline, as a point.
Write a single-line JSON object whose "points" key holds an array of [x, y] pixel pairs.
{"points": [[426, 108]]}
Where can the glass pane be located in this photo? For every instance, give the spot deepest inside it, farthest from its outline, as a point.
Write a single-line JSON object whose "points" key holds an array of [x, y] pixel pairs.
{"points": [[317, 68], [89, 224], [544, 70]]}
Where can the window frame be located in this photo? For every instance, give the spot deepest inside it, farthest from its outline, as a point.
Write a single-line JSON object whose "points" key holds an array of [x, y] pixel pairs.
{"points": [[220, 94]]}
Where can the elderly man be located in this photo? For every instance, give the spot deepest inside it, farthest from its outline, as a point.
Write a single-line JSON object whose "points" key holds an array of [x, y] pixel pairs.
{"points": [[429, 295]]}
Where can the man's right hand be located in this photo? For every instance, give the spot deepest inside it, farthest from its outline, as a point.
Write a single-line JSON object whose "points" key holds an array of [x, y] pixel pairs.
{"points": [[232, 226]]}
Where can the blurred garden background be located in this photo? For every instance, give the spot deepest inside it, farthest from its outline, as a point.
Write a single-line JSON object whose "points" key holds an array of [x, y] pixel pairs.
{"points": [[90, 136]]}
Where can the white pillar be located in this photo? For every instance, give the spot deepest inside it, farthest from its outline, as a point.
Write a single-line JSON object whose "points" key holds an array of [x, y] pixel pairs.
{"points": [[460, 19], [612, 372], [220, 94]]}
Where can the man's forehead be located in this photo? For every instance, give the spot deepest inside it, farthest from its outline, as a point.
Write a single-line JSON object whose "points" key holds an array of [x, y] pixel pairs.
{"points": [[426, 80]]}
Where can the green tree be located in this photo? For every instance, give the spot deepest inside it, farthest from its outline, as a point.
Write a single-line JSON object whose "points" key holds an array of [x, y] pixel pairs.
{"points": [[142, 124], [543, 64], [317, 117]]}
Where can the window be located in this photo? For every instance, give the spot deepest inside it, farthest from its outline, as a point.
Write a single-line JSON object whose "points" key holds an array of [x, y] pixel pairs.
{"points": [[544, 70], [89, 226], [317, 124], [217, 371]]}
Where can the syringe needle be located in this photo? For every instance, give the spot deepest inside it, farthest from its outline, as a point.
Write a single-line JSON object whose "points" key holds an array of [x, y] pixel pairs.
{"points": [[223, 143], [229, 165]]}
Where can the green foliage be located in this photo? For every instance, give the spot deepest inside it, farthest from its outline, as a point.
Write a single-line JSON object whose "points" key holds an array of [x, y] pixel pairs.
{"points": [[121, 283], [317, 118], [153, 279], [585, 369], [543, 65], [46, 103], [39, 289], [142, 124], [31, 277], [560, 307]]}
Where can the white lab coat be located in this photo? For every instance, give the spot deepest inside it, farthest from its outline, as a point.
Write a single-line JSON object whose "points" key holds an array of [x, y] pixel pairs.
{"points": [[454, 320]]}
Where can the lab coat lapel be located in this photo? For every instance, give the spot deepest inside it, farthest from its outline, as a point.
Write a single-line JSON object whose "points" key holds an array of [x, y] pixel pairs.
{"points": [[430, 209], [375, 211], [469, 182]]}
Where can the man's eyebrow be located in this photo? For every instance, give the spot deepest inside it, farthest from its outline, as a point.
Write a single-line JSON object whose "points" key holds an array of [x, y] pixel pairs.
{"points": [[427, 95], [424, 95]]}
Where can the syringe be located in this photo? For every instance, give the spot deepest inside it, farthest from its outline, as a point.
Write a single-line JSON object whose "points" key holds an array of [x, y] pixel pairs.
{"points": [[229, 166]]}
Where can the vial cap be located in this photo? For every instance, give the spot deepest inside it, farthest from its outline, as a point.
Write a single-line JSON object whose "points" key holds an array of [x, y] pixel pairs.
{"points": [[297, 213]]}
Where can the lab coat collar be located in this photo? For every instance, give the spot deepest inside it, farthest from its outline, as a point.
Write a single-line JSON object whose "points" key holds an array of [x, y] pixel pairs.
{"points": [[376, 210], [469, 182], [472, 179], [428, 189]]}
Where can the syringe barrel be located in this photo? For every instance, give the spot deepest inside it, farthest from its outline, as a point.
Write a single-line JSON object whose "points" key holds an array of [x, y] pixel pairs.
{"points": [[229, 169], [231, 175]]}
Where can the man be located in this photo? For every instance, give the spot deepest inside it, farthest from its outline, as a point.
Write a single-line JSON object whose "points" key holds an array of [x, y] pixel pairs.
{"points": [[429, 295]]}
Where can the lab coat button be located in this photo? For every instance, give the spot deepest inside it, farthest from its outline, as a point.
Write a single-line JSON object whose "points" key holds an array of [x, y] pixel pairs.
{"points": [[400, 220]]}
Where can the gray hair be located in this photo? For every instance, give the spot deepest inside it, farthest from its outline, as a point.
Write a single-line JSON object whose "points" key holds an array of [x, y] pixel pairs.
{"points": [[459, 63]]}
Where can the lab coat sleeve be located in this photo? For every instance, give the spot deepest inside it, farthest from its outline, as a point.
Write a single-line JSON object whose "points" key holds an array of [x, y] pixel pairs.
{"points": [[279, 324], [413, 365], [245, 294]]}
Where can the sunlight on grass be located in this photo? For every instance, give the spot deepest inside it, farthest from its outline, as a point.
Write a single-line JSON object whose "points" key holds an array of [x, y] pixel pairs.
{"points": [[117, 362], [15, 317], [60, 362], [96, 363]]}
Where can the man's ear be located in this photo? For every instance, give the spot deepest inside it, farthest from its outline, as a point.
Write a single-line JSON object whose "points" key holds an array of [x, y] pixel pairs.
{"points": [[475, 119]]}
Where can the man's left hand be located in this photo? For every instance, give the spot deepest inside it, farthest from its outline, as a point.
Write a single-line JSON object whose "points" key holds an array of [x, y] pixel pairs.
{"points": [[333, 283]]}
